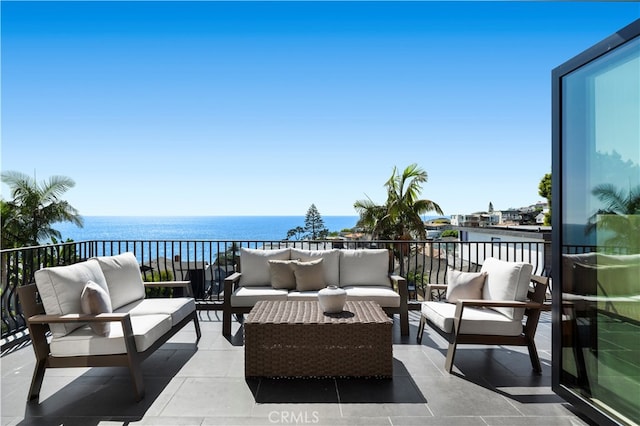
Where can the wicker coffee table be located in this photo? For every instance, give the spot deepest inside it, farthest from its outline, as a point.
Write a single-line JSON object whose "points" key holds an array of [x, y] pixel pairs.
{"points": [[296, 339]]}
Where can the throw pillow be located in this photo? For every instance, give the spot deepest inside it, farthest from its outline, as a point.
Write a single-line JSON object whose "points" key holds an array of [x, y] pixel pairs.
{"points": [[95, 300], [309, 275], [282, 274], [464, 285]]}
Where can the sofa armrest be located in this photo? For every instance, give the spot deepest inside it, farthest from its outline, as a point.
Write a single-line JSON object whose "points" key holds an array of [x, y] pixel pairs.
{"points": [[400, 283], [230, 284], [71, 318], [174, 284]]}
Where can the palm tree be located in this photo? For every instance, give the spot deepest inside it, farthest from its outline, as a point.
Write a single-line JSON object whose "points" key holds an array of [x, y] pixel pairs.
{"points": [[28, 218], [400, 217], [620, 215], [373, 219]]}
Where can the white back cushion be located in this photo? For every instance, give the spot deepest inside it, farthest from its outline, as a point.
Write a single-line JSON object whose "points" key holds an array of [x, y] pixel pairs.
{"points": [[124, 280], [254, 265], [364, 267], [330, 262], [506, 281], [60, 288]]}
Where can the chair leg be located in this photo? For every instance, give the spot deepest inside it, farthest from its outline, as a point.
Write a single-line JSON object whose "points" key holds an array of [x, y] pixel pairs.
{"points": [[451, 354], [36, 381], [421, 328], [533, 355], [196, 324]]}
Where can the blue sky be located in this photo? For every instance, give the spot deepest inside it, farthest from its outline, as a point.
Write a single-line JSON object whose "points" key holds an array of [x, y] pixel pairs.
{"points": [[242, 108]]}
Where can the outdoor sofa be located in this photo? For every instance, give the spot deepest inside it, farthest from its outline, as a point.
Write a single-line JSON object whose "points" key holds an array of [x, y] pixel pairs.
{"points": [[296, 274], [98, 316]]}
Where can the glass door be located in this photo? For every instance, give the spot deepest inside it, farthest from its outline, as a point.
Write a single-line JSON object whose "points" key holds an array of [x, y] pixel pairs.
{"points": [[597, 314]]}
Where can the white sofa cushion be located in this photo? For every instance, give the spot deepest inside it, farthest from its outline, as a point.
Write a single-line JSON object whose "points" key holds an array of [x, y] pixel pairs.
{"points": [[481, 321], [178, 308], [95, 300], [366, 267], [122, 273], [249, 296], [254, 265], [383, 295], [83, 341], [60, 288], [506, 281], [330, 262]]}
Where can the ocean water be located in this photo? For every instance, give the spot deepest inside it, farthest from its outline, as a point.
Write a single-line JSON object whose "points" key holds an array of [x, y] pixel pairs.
{"points": [[237, 228]]}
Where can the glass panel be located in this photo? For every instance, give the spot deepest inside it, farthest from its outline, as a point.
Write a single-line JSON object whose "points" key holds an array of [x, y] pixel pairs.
{"points": [[601, 231]]}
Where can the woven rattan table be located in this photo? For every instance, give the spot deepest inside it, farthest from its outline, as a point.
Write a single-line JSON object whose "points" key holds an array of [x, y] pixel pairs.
{"points": [[296, 339]]}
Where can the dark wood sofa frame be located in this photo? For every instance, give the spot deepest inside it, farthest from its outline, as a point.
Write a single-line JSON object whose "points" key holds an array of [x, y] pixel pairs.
{"points": [[231, 282], [38, 323]]}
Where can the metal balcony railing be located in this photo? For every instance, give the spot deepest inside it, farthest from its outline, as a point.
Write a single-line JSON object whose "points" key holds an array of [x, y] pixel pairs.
{"points": [[207, 263]]}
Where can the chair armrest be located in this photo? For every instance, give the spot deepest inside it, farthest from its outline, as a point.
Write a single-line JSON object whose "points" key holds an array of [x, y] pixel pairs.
{"points": [[174, 284], [71, 318], [481, 303], [499, 303], [167, 284], [229, 284], [461, 303]]}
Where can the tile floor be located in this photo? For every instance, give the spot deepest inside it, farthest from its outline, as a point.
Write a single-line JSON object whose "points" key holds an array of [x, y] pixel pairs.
{"points": [[205, 385]]}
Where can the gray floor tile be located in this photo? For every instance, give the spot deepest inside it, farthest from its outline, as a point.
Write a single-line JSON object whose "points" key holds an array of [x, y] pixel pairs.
{"points": [[204, 384]]}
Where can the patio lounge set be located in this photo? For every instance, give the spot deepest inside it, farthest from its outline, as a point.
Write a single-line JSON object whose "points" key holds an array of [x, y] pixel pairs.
{"points": [[98, 315]]}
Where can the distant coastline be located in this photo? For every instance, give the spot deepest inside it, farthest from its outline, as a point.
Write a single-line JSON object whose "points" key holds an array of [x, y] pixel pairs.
{"points": [[238, 228]]}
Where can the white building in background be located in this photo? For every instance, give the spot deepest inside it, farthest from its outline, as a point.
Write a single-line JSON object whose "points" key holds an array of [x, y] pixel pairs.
{"points": [[531, 244], [475, 219], [540, 216]]}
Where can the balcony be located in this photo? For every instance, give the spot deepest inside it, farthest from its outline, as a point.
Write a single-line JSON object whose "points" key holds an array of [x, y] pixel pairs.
{"points": [[205, 384]]}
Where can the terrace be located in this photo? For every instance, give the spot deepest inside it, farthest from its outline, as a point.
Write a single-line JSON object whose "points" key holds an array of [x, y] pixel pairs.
{"points": [[204, 384]]}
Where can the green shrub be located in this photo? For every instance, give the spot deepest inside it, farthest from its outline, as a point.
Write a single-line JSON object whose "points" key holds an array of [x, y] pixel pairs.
{"points": [[157, 276], [450, 233]]}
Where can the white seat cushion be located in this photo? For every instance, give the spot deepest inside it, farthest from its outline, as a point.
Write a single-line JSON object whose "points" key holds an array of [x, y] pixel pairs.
{"points": [[249, 296], [83, 341], [122, 273], [364, 267], [60, 288], [303, 295], [382, 295], [177, 308], [506, 281], [474, 320], [254, 264], [330, 262]]}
